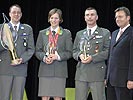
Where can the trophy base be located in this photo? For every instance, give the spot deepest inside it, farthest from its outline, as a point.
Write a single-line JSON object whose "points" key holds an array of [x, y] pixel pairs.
{"points": [[14, 62]]}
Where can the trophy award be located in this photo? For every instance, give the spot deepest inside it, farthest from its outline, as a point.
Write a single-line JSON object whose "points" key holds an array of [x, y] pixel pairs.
{"points": [[8, 43], [85, 51], [85, 47], [51, 48]]}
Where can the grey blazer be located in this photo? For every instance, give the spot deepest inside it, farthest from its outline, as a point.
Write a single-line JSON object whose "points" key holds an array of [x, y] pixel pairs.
{"points": [[64, 45], [25, 34], [99, 43]]}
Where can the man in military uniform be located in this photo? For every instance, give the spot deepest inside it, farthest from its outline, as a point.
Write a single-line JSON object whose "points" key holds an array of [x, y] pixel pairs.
{"points": [[91, 50], [14, 58]]}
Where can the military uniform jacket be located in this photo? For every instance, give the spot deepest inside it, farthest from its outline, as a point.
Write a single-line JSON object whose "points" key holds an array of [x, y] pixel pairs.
{"points": [[98, 45], [64, 48], [24, 51]]}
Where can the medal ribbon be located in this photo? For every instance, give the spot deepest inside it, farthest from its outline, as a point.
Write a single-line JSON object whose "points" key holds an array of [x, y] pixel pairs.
{"points": [[53, 39]]}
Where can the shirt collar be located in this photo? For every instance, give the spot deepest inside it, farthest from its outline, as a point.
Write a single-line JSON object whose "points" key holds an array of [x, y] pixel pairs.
{"points": [[92, 29], [124, 28], [15, 25], [56, 29]]}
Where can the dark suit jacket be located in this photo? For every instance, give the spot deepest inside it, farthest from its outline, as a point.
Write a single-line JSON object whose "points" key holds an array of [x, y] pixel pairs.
{"points": [[64, 49], [120, 64], [24, 32]]}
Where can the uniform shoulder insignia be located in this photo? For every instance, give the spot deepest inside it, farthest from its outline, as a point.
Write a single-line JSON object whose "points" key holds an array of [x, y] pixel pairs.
{"points": [[104, 29], [67, 30], [27, 25]]}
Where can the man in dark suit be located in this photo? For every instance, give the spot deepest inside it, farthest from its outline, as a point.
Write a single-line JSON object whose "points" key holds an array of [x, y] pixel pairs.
{"points": [[119, 75], [91, 50], [13, 71]]}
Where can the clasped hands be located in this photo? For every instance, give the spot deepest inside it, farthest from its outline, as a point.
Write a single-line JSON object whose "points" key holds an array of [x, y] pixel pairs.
{"points": [[86, 59], [50, 58]]}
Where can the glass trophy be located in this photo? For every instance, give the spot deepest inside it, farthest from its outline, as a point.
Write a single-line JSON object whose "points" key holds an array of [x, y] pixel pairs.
{"points": [[51, 48], [85, 47]]}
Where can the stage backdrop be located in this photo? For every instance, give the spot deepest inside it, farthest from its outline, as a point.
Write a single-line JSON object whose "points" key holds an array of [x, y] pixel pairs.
{"points": [[35, 14]]}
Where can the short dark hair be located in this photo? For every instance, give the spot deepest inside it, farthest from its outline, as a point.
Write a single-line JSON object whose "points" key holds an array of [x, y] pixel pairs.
{"points": [[16, 5], [125, 9], [91, 8], [53, 11]]}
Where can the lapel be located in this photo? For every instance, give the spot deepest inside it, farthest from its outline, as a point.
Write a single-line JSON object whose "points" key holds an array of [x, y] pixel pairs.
{"points": [[46, 34], [60, 35], [114, 35], [21, 29], [85, 34], [97, 32], [10, 26], [61, 30], [121, 37]]}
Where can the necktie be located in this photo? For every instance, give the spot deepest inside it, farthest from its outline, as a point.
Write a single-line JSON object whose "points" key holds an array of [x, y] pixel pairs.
{"points": [[15, 29], [15, 33], [53, 33], [119, 34], [89, 32]]}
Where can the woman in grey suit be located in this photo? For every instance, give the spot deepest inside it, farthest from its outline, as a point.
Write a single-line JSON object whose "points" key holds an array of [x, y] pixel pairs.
{"points": [[53, 49]]}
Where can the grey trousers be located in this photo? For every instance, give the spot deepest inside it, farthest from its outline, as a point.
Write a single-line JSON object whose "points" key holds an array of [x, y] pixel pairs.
{"points": [[82, 89], [11, 85]]}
